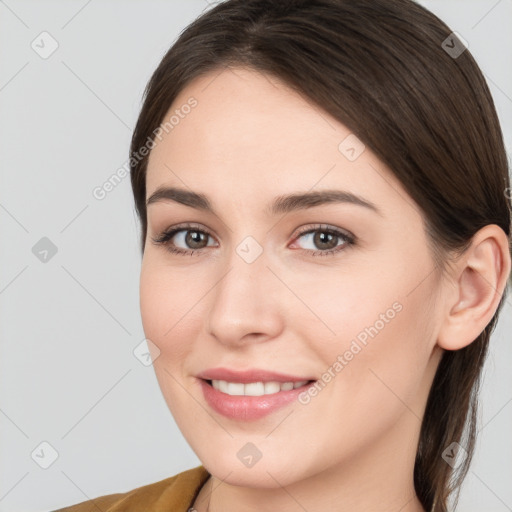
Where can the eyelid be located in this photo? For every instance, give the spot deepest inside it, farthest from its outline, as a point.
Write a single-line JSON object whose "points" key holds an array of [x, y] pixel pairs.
{"points": [[326, 227], [301, 231], [169, 233], [186, 226]]}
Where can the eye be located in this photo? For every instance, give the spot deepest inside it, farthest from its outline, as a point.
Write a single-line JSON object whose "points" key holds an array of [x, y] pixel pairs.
{"points": [[326, 238], [194, 239], [186, 234]]}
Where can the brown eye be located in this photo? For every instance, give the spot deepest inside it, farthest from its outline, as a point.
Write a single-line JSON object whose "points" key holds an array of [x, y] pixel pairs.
{"points": [[183, 239], [195, 239], [188, 239], [325, 240]]}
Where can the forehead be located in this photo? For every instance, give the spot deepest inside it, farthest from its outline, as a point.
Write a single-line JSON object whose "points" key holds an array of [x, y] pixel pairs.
{"points": [[248, 134], [244, 114]]}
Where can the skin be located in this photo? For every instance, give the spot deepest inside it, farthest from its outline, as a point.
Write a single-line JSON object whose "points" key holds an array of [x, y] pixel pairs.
{"points": [[352, 448]]}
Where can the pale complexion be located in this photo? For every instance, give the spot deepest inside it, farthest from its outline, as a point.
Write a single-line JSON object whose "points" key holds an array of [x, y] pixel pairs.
{"points": [[295, 309]]}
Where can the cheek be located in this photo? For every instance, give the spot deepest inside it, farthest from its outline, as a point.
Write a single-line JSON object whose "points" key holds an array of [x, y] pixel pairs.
{"points": [[161, 304], [339, 306], [153, 304], [164, 296], [172, 315], [372, 376], [374, 337]]}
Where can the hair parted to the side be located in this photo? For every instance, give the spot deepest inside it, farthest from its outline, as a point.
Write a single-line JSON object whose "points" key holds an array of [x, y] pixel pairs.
{"points": [[378, 66]]}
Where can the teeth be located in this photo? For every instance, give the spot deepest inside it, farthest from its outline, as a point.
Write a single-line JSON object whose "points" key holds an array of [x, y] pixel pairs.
{"points": [[234, 388], [272, 387], [255, 388]]}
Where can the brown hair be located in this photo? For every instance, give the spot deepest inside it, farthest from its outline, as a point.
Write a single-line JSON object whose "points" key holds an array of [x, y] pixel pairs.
{"points": [[381, 68]]}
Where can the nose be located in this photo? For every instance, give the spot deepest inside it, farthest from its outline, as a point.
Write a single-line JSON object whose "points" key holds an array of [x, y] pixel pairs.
{"points": [[246, 303]]}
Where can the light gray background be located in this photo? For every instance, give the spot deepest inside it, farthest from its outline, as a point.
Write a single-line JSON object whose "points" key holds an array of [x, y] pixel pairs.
{"points": [[69, 326]]}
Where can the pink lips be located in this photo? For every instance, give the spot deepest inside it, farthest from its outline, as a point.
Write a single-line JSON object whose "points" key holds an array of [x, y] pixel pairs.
{"points": [[248, 407], [254, 375]]}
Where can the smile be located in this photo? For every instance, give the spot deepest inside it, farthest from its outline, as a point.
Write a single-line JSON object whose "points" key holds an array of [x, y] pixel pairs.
{"points": [[250, 401], [254, 388]]}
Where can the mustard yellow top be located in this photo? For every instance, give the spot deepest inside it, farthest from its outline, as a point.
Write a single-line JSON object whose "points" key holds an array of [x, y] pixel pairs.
{"points": [[174, 494]]}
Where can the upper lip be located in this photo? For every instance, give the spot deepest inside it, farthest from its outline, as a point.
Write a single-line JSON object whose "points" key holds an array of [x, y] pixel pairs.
{"points": [[252, 375]]}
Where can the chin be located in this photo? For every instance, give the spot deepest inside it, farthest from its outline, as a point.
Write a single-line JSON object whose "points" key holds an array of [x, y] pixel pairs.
{"points": [[272, 473]]}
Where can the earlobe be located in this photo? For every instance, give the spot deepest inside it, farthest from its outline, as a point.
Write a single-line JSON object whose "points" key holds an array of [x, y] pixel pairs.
{"points": [[480, 277]]}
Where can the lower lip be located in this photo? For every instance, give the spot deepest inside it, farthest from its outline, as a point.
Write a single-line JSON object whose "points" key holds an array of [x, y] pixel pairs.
{"points": [[248, 408]]}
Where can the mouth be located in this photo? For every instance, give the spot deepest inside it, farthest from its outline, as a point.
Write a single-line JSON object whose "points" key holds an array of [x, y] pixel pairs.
{"points": [[259, 388], [251, 401]]}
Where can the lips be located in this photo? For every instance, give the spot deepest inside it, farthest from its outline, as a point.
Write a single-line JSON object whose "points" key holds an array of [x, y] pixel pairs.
{"points": [[252, 375], [244, 407]]}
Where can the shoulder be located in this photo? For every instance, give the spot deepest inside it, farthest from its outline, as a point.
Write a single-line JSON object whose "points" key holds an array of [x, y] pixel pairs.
{"points": [[176, 493]]}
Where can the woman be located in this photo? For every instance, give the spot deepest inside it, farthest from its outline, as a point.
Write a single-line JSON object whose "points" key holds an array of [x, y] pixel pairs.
{"points": [[275, 133]]}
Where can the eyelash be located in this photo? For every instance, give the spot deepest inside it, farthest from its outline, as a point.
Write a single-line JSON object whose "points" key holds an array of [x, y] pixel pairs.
{"points": [[166, 236]]}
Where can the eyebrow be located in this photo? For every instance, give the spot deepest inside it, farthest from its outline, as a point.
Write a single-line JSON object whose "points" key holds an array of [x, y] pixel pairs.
{"points": [[281, 204]]}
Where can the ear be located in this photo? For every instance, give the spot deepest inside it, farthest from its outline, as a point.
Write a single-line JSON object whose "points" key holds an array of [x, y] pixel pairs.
{"points": [[479, 277]]}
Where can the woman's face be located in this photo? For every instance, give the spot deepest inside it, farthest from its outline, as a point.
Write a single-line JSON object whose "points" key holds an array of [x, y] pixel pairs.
{"points": [[319, 289]]}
